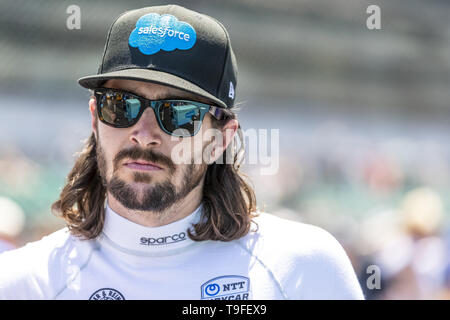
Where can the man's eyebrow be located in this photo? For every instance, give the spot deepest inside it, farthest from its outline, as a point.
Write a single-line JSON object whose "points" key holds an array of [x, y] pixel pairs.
{"points": [[173, 97], [170, 97], [178, 97]]}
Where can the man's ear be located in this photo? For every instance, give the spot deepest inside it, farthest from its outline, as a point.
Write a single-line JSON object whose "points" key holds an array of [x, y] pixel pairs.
{"points": [[228, 132], [92, 109]]}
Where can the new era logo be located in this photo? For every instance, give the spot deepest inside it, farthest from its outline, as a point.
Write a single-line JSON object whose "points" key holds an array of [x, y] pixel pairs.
{"points": [[231, 92]]}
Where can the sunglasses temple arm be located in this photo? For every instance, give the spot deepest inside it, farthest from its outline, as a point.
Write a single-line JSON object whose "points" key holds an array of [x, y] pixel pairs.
{"points": [[239, 154], [216, 112]]}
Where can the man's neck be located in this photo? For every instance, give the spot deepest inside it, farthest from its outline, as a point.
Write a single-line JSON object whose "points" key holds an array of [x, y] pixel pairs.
{"points": [[177, 211]]}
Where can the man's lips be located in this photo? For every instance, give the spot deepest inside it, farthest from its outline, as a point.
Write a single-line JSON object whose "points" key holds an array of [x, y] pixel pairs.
{"points": [[142, 165]]}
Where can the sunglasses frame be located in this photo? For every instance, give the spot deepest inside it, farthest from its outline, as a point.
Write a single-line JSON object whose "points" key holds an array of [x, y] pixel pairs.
{"points": [[217, 112]]}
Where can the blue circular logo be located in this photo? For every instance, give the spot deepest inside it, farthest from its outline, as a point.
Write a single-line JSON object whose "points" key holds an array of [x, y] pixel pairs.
{"points": [[212, 289], [107, 294]]}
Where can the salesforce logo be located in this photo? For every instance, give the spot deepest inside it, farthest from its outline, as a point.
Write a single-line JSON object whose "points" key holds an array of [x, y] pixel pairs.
{"points": [[154, 32]]}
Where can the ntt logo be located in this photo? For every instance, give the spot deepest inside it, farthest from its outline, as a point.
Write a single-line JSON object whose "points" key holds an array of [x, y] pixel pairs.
{"points": [[177, 237], [228, 287]]}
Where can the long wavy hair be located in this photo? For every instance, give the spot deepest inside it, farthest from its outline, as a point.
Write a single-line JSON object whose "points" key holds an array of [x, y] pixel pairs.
{"points": [[229, 202]]}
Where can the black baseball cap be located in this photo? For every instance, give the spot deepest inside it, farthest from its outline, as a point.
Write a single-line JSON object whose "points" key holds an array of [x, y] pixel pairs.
{"points": [[173, 46]]}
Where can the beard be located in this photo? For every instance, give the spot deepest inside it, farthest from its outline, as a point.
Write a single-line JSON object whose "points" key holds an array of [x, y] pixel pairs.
{"points": [[157, 197]]}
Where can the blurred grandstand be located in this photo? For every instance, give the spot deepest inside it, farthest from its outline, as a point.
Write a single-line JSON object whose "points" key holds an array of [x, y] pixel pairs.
{"points": [[363, 118]]}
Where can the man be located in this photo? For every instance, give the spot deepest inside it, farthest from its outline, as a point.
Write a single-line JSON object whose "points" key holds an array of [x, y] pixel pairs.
{"points": [[146, 219]]}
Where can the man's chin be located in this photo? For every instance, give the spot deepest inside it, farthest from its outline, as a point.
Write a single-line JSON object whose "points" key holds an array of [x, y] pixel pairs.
{"points": [[154, 196], [140, 188]]}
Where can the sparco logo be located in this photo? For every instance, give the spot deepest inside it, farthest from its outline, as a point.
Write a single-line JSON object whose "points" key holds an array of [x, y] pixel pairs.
{"points": [[177, 237]]}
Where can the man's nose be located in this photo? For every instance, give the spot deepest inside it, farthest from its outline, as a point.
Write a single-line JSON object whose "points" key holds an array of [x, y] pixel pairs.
{"points": [[146, 131]]}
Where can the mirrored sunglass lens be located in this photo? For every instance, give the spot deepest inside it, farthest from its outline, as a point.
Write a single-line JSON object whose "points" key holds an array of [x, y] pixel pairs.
{"points": [[181, 117], [119, 109]]}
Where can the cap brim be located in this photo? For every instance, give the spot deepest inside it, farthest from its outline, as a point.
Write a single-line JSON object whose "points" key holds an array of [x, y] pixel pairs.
{"points": [[159, 77]]}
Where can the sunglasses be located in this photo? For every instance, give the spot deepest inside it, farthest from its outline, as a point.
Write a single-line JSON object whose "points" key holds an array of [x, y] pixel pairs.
{"points": [[180, 118]]}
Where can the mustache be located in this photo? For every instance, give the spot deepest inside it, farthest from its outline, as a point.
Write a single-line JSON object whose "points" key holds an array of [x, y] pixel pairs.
{"points": [[150, 155]]}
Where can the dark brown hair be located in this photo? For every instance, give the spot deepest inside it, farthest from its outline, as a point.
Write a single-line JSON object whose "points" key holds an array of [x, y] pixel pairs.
{"points": [[229, 202]]}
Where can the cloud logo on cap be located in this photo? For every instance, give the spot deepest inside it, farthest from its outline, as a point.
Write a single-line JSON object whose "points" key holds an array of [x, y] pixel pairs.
{"points": [[154, 32]]}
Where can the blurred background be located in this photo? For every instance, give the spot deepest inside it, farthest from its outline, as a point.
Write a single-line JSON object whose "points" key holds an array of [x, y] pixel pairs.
{"points": [[363, 119]]}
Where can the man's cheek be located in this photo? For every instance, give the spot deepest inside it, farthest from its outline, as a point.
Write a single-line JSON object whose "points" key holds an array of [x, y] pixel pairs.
{"points": [[182, 153], [118, 169], [113, 167], [201, 150]]}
